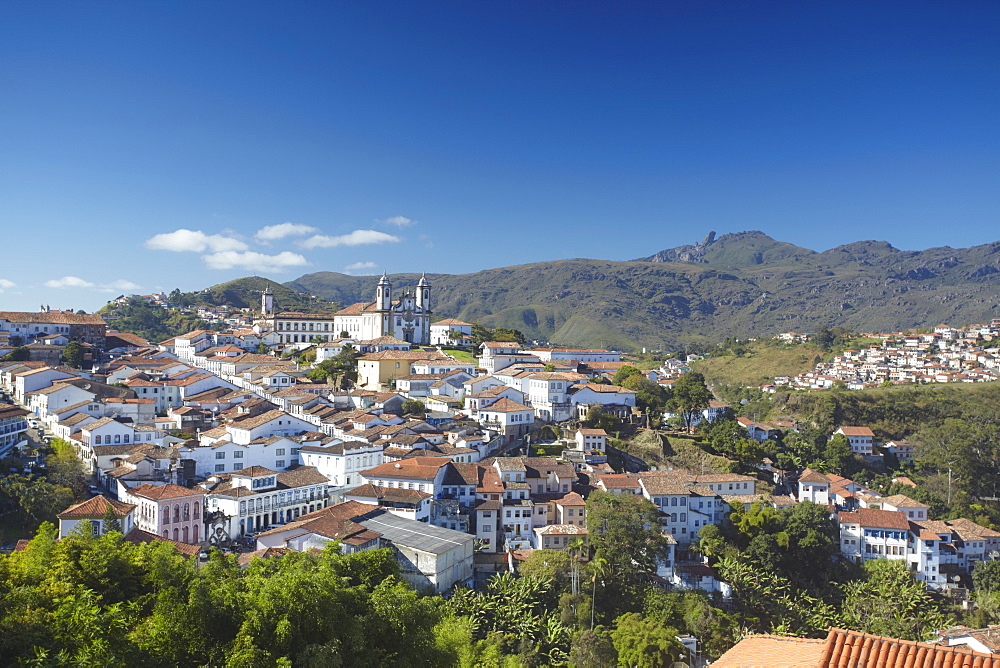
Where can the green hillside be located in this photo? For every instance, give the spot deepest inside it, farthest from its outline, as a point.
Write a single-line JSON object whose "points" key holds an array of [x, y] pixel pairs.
{"points": [[763, 362], [742, 285], [246, 292]]}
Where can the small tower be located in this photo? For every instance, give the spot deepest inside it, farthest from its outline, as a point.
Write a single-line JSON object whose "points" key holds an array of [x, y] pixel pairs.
{"points": [[267, 303], [383, 294], [424, 294]]}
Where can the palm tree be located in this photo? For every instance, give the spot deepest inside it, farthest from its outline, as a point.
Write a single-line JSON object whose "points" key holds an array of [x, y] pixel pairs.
{"points": [[597, 566], [576, 549]]}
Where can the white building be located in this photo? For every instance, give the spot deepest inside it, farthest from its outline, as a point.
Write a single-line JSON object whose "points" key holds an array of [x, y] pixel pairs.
{"points": [[342, 461], [255, 498], [451, 332], [407, 318], [91, 514], [862, 439]]}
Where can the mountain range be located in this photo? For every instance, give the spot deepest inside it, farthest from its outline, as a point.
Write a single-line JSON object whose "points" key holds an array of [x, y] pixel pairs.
{"points": [[743, 284]]}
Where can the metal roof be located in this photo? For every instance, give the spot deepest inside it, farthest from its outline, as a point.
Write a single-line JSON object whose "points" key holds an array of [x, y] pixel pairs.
{"points": [[416, 535]]}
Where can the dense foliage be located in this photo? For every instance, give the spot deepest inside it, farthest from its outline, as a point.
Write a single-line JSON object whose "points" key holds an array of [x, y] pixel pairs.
{"points": [[153, 323], [785, 570]]}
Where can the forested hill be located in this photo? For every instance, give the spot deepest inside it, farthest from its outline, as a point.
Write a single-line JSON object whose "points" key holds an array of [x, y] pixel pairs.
{"points": [[246, 292], [744, 284]]}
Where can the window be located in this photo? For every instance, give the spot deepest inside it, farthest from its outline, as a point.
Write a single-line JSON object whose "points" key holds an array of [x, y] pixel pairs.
{"points": [[279, 452], [280, 463], [97, 440], [238, 454], [220, 455], [219, 468]]}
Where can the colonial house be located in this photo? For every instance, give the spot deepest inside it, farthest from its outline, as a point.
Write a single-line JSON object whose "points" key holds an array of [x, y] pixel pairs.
{"points": [[91, 514], [451, 332], [511, 419], [591, 440], [874, 534], [408, 503], [861, 439], [169, 511], [255, 498], [342, 462], [12, 427]]}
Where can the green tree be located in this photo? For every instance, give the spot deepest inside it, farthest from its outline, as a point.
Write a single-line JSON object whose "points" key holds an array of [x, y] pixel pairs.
{"points": [[649, 396], [950, 448], [986, 576], [39, 499], [554, 565], [628, 542], [594, 649], [110, 521], [624, 373], [889, 601], [413, 407], [596, 419], [19, 354], [689, 396], [342, 365], [73, 354], [643, 643]]}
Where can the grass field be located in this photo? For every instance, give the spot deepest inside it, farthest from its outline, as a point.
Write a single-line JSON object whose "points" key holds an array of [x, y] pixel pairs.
{"points": [[764, 363], [462, 356]]}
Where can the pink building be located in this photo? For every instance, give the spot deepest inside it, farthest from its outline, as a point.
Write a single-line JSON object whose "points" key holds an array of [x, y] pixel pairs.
{"points": [[170, 511]]}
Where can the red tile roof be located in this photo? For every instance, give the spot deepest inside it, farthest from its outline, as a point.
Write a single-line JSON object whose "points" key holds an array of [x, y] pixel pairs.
{"points": [[850, 649], [873, 517], [96, 507]]}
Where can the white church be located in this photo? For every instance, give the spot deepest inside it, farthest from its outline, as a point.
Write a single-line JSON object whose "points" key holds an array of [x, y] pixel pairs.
{"points": [[407, 318]]}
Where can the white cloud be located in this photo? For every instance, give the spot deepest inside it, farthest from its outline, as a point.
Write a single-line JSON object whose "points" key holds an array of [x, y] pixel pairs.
{"points": [[254, 261], [121, 284], [194, 241], [355, 238], [400, 221], [6, 285], [361, 268], [282, 230], [68, 282]]}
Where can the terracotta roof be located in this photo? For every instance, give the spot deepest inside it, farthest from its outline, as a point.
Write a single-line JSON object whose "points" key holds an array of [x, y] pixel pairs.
{"points": [[857, 431], [417, 468], [254, 471], [168, 491], [606, 389], [505, 405], [53, 317], [96, 507], [571, 499], [259, 420], [769, 651], [266, 553], [392, 494], [903, 501], [872, 517], [813, 476], [850, 649]]}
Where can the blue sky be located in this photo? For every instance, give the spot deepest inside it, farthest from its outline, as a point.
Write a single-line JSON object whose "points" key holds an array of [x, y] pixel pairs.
{"points": [[153, 145]]}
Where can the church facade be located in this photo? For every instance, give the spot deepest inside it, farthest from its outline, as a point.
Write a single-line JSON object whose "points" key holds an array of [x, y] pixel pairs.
{"points": [[407, 318]]}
